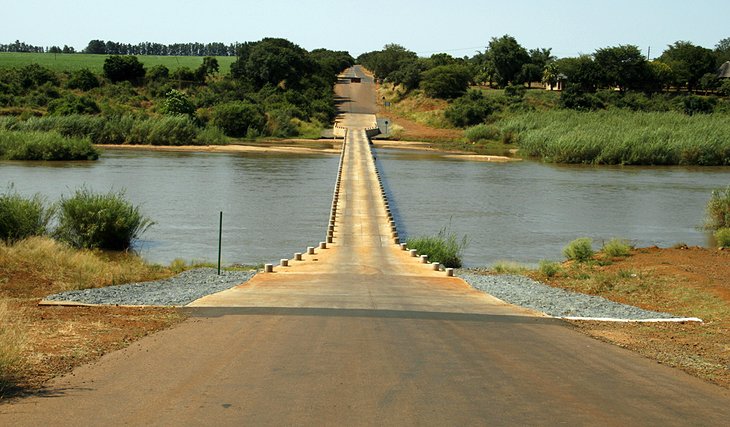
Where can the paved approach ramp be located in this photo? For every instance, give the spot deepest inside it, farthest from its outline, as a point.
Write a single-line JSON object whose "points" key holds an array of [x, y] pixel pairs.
{"points": [[361, 334]]}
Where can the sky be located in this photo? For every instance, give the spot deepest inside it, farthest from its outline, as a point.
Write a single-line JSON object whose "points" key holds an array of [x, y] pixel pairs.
{"points": [[457, 27]]}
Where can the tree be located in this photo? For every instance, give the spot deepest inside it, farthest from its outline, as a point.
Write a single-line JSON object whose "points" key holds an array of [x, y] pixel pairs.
{"points": [[446, 81], [177, 103], [471, 109], [689, 63], [530, 73], [124, 68], [239, 119], [97, 47], [82, 79], [550, 75], [508, 58], [581, 71], [722, 51], [621, 66], [272, 61], [387, 61]]}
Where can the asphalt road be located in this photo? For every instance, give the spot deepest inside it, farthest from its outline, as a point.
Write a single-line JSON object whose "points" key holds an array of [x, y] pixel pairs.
{"points": [[362, 334]]}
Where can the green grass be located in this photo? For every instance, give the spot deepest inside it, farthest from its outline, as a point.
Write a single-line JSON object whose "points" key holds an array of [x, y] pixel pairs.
{"points": [[616, 248], [23, 217], [622, 137], [77, 61], [444, 248], [580, 250], [100, 221], [26, 145], [509, 267]]}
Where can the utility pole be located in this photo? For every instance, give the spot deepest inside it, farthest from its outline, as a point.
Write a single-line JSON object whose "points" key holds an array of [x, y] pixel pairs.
{"points": [[648, 54]]}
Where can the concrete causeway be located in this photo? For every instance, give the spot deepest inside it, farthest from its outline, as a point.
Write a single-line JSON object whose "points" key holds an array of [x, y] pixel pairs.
{"points": [[363, 267]]}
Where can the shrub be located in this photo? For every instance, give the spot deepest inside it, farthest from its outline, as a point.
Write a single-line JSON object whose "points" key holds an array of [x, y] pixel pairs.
{"points": [[239, 118], [72, 104], [722, 236], [168, 130], [177, 102], [470, 109], [549, 268], [446, 81], [44, 146], [617, 248], [22, 217], [82, 79], [580, 250], [444, 248], [718, 210], [693, 104], [508, 267], [211, 135], [124, 68], [100, 221], [482, 132]]}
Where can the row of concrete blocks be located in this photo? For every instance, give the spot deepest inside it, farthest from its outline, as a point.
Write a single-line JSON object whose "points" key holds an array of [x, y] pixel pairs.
{"points": [[269, 268], [394, 231]]}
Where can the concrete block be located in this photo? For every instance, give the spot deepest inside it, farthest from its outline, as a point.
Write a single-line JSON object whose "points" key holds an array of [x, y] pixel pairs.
{"points": [[298, 256], [450, 272], [436, 266], [284, 263], [403, 246], [310, 250], [414, 253], [323, 245], [268, 268], [424, 259]]}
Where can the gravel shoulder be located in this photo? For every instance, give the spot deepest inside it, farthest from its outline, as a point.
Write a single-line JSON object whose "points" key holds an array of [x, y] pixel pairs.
{"points": [[525, 292], [180, 290]]}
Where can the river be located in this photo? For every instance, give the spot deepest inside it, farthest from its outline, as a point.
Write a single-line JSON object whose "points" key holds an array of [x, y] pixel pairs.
{"points": [[275, 205]]}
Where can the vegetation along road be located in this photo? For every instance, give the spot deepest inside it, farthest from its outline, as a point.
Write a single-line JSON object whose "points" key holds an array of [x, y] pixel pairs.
{"points": [[361, 333]]}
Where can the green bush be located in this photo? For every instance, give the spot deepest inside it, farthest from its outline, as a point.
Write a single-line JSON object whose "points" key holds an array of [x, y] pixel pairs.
{"points": [[177, 102], [239, 119], [100, 221], [549, 268], [211, 135], [470, 109], [44, 146], [580, 250], [722, 236], [444, 248], [82, 79], [446, 81], [718, 209], [72, 104], [617, 248], [482, 132], [22, 217], [168, 130]]}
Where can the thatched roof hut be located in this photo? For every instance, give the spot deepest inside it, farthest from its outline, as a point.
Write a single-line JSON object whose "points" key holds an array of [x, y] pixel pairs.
{"points": [[724, 71]]}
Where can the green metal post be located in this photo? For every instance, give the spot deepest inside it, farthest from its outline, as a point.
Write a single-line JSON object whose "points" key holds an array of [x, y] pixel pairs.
{"points": [[220, 238]]}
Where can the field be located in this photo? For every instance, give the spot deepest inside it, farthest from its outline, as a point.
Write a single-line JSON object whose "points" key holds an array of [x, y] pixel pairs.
{"points": [[76, 61]]}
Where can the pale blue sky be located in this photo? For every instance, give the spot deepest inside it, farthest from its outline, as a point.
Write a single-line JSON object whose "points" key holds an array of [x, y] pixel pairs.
{"points": [[459, 27]]}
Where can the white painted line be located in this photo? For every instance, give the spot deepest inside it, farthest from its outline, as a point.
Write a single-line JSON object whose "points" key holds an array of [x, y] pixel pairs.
{"points": [[608, 319]]}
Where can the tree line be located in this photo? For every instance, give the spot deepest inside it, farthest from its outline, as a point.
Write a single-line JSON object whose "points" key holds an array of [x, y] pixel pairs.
{"points": [[101, 47], [504, 62]]}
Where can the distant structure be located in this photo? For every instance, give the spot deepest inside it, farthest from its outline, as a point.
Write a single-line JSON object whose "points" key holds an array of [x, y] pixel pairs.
{"points": [[559, 84], [724, 71]]}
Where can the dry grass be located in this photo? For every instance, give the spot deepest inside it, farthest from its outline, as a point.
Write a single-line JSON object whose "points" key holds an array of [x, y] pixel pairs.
{"points": [[38, 343], [12, 345], [63, 268]]}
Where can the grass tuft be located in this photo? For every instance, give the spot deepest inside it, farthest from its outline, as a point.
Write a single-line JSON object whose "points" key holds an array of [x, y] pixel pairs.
{"points": [[444, 248], [722, 236], [509, 267], [12, 344], [580, 250], [549, 268], [616, 248], [22, 217]]}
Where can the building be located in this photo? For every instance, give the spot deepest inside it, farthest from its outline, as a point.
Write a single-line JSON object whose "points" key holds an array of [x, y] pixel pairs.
{"points": [[724, 71]]}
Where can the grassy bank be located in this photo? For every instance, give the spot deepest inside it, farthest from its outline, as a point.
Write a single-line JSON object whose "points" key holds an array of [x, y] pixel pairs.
{"points": [[78, 61], [33, 145], [37, 343], [622, 137]]}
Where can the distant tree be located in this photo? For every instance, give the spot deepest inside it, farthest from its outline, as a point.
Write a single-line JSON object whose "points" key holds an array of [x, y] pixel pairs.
{"points": [[239, 119], [388, 60], [439, 59], [508, 57], [581, 71], [332, 62], [178, 103], [158, 73], [471, 109], [550, 75], [82, 79], [273, 61], [446, 81], [541, 57], [408, 75], [96, 47], [530, 73], [124, 68], [722, 51], [623, 67], [184, 77], [688, 62], [68, 49], [54, 49], [662, 75]]}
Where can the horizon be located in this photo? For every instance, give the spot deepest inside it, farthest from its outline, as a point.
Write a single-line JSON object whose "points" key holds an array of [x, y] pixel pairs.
{"points": [[460, 28]]}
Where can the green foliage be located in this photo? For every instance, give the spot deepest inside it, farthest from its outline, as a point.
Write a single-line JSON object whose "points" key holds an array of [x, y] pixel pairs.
{"points": [[580, 250], [718, 209], [623, 67], [272, 61], [168, 130], [72, 104], [384, 63], [471, 109], [722, 236], [100, 221], [623, 137], [549, 268], [22, 217], [158, 73], [698, 105], [82, 79], [444, 248], [178, 103], [509, 267], [482, 132], [446, 81], [124, 68], [508, 57], [617, 248], [211, 135], [688, 63], [724, 88], [239, 119], [16, 145]]}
